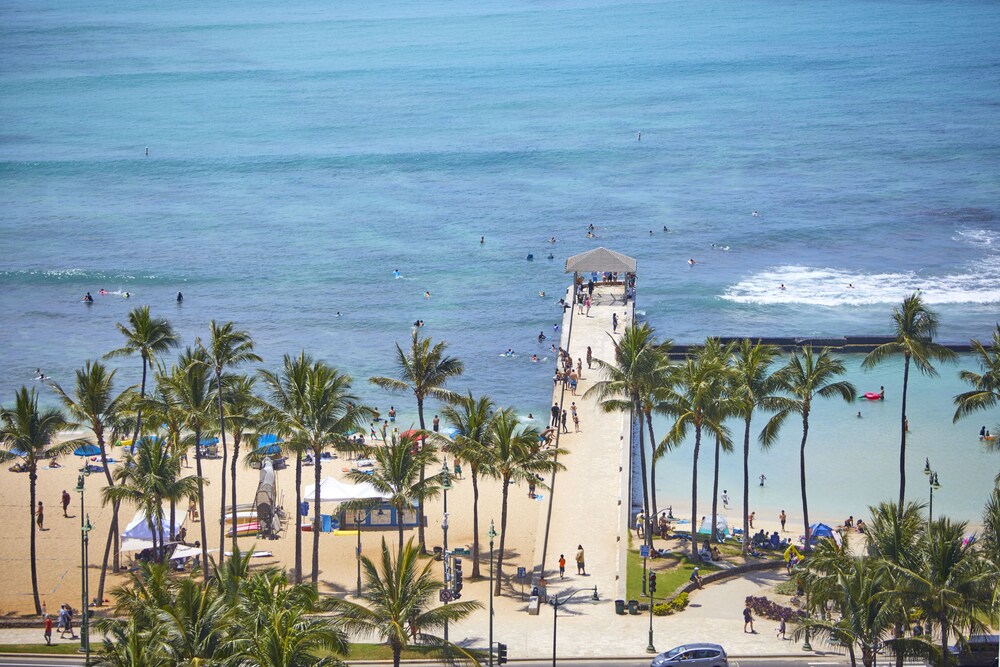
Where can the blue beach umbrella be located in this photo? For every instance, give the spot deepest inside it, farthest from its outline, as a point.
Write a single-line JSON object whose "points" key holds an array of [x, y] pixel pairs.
{"points": [[87, 450], [208, 442]]}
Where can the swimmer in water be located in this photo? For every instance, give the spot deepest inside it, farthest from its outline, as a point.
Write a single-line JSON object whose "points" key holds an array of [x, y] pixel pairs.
{"points": [[339, 314], [590, 227], [427, 295], [541, 294], [482, 239], [591, 235], [126, 295], [102, 291], [691, 262], [782, 286], [665, 228], [755, 214], [534, 358], [850, 286], [87, 298], [180, 298], [396, 274], [509, 352], [551, 256]]}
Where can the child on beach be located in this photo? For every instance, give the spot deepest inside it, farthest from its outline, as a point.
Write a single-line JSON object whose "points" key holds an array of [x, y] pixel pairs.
{"points": [[562, 566], [48, 629]]}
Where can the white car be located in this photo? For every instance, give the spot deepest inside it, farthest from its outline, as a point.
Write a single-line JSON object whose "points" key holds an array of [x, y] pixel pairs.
{"points": [[693, 655]]}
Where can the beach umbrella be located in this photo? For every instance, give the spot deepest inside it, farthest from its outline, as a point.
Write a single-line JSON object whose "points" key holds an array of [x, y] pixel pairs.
{"points": [[452, 431], [87, 450], [208, 442]]}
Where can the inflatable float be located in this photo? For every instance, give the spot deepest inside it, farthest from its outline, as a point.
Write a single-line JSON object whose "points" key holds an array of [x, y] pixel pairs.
{"points": [[872, 396]]}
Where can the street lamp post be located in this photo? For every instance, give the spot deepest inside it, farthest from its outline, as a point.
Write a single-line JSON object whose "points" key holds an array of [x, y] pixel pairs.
{"points": [[932, 482], [556, 603], [492, 534], [357, 552], [445, 485], [85, 528], [806, 646]]}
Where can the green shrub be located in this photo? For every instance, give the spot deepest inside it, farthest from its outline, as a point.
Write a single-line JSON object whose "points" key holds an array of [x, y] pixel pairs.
{"points": [[671, 606]]}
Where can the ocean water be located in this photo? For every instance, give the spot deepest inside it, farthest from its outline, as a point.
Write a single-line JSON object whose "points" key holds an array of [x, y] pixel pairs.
{"points": [[300, 152]]}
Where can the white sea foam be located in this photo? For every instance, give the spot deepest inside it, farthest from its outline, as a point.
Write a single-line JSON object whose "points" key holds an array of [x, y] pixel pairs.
{"points": [[830, 287], [984, 238]]}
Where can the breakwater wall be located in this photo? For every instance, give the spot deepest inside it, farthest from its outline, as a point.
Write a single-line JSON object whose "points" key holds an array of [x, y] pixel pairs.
{"points": [[847, 344]]}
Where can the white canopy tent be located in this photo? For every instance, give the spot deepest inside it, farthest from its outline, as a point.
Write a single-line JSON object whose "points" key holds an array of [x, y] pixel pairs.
{"points": [[137, 535], [334, 491]]}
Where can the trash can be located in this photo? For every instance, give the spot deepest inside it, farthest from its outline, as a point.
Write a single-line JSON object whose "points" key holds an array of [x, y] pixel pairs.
{"points": [[633, 607], [620, 607]]}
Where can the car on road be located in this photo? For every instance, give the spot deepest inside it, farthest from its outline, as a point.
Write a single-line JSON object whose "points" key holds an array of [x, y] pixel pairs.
{"points": [[693, 655]]}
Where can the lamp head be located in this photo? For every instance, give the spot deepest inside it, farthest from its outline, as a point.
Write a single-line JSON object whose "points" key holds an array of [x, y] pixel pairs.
{"points": [[79, 484], [927, 466], [492, 533], [595, 597]]}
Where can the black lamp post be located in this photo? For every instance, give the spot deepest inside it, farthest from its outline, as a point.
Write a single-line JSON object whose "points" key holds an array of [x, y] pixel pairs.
{"points": [[85, 528], [932, 482], [556, 603], [445, 485], [492, 534], [357, 551]]}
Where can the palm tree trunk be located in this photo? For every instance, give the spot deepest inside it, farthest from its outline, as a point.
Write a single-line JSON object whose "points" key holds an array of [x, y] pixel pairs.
{"points": [[399, 526], [225, 459], [396, 651], [236, 457], [694, 494], [715, 489], [902, 436], [31, 515], [503, 534], [420, 503], [475, 523], [317, 519], [201, 503], [298, 517], [142, 394], [943, 621], [151, 524], [113, 530], [746, 487], [807, 547], [652, 470], [636, 412]]}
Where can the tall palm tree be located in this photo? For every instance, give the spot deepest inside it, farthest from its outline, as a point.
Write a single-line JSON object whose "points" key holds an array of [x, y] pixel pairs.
{"points": [[149, 476], [196, 623], [985, 392], [914, 326], [27, 433], [659, 378], [128, 644], [471, 416], [243, 409], [188, 389], [94, 405], [632, 377], [806, 377], [693, 402], [423, 369], [397, 474], [228, 347], [399, 593], [312, 402], [991, 528], [149, 337], [514, 456], [725, 407], [752, 388], [951, 586]]}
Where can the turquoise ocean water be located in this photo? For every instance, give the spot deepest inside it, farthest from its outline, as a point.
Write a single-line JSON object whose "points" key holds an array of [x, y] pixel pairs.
{"points": [[301, 151]]}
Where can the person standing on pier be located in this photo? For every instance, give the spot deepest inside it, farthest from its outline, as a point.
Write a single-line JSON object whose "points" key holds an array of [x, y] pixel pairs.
{"points": [[555, 415]]}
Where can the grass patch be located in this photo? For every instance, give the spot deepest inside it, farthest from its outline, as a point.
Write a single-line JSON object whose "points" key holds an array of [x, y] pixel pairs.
{"points": [[789, 588], [671, 572], [72, 648]]}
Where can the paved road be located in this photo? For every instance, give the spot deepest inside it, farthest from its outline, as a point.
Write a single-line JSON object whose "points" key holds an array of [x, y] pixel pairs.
{"points": [[805, 661]]}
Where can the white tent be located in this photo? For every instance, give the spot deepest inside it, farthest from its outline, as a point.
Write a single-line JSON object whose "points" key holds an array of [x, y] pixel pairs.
{"points": [[333, 491], [138, 529], [721, 523]]}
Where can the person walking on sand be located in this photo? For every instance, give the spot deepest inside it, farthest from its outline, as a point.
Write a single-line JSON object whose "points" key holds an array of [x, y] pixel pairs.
{"points": [[40, 516], [782, 518], [614, 322], [590, 359], [65, 502], [751, 518], [586, 305], [725, 499], [576, 421], [581, 566], [562, 566], [748, 620]]}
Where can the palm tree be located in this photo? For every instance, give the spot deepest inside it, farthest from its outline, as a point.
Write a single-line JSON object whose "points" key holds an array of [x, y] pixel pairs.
{"points": [[311, 401], [195, 623], [804, 378], [129, 644], [149, 476], [277, 626], [861, 593], [694, 402], [471, 417], [991, 528], [188, 391], [914, 325], [27, 433], [399, 593], [93, 404], [423, 369], [228, 347], [149, 337], [752, 388], [636, 373], [951, 585], [243, 415], [513, 456], [985, 392], [397, 474], [725, 408]]}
